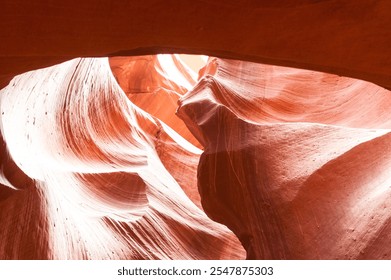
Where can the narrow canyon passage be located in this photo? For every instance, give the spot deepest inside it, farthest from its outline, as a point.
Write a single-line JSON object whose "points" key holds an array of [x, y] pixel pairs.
{"points": [[193, 157]]}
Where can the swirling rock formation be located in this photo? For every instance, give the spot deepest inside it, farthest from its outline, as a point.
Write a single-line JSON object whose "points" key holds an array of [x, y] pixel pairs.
{"points": [[260, 161], [94, 176], [296, 162], [92, 170]]}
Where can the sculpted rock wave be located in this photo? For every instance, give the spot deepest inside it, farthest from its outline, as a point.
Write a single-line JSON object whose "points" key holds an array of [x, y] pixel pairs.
{"points": [[258, 161], [295, 162], [98, 177]]}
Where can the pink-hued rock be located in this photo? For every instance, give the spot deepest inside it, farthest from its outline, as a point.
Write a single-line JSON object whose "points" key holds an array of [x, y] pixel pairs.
{"points": [[94, 163], [296, 163], [103, 179]]}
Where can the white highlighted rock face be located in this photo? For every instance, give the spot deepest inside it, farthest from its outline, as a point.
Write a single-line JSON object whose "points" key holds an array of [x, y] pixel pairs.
{"points": [[103, 179], [144, 158]]}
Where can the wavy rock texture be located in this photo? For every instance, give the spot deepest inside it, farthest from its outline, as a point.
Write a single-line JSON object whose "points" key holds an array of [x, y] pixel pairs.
{"points": [[296, 162], [264, 162], [86, 174], [94, 164]]}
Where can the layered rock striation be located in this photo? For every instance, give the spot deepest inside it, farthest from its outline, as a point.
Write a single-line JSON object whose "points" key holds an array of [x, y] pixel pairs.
{"points": [[89, 175], [143, 158]]}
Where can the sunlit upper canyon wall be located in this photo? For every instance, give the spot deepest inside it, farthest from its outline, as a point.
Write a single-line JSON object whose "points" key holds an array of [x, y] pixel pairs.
{"points": [[109, 151]]}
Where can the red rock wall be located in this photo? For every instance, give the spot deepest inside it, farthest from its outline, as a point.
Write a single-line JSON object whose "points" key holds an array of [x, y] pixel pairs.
{"points": [[349, 38], [95, 164]]}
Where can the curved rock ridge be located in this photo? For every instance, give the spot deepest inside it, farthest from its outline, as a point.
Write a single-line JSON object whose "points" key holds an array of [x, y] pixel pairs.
{"points": [[296, 163], [86, 174], [270, 94]]}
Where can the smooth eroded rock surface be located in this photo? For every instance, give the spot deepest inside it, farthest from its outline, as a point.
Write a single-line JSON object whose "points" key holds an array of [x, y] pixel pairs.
{"points": [[89, 175], [295, 162]]}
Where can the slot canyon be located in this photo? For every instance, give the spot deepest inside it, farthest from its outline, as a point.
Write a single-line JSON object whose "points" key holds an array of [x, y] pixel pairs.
{"points": [[195, 130]]}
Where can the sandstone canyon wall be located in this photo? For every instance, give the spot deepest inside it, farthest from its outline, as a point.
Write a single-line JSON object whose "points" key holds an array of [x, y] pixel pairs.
{"points": [[138, 156]]}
